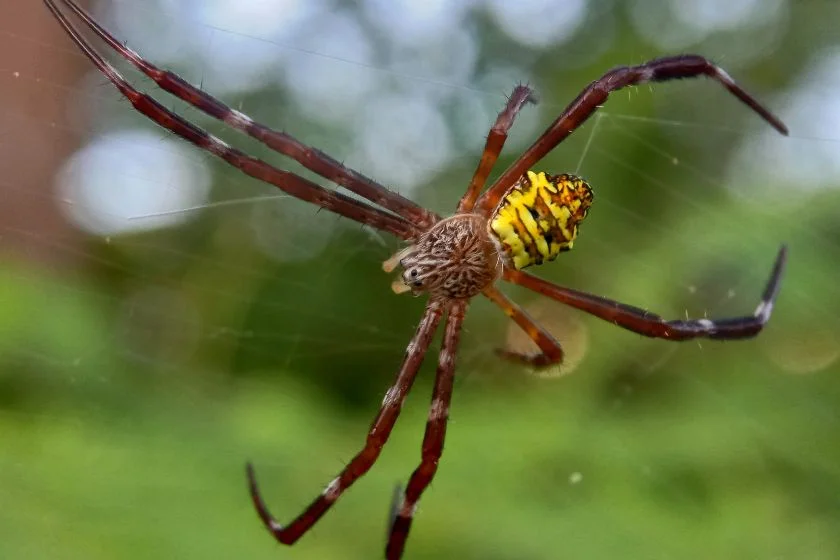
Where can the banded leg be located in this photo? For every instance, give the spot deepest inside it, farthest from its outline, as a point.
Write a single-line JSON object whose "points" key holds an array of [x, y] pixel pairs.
{"points": [[435, 433], [286, 181], [550, 353], [595, 95], [652, 325], [311, 158], [376, 439], [495, 142]]}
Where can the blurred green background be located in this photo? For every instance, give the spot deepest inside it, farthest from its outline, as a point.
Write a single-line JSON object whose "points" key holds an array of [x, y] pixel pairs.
{"points": [[148, 352]]}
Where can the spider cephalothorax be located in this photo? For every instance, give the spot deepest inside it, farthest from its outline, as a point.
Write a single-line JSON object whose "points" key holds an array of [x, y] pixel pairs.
{"points": [[456, 258], [523, 218]]}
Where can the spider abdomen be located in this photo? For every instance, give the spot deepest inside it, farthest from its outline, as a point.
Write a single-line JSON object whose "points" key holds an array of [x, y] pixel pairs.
{"points": [[538, 217]]}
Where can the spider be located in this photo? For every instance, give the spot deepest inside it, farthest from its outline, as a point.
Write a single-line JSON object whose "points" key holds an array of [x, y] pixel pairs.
{"points": [[524, 218]]}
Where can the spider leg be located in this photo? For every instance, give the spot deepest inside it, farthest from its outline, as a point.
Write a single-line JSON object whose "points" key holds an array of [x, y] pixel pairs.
{"points": [[376, 439], [286, 181], [595, 95], [652, 325], [550, 350], [311, 158], [434, 436], [494, 144]]}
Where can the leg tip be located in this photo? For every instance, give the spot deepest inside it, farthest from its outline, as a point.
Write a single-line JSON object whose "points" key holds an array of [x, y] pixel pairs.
{"points": [[396, 503], [251, 476]]}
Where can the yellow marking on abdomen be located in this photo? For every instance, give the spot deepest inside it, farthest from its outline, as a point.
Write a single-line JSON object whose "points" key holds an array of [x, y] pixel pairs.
{"points": [[538, 217]]}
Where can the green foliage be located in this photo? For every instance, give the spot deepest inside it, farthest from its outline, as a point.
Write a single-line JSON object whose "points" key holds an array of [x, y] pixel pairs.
{"points": [[133, 392]]}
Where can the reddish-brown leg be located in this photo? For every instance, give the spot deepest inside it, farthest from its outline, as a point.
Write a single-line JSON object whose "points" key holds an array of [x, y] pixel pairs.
{"points": [[550, 350], [650, 324], [284, 180], [495, 142], [435, 433], [595, 95], [378, 435], [311, 158]]}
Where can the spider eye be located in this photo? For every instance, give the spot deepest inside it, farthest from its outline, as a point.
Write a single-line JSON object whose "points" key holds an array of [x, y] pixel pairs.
{"points": [[412, 277]]}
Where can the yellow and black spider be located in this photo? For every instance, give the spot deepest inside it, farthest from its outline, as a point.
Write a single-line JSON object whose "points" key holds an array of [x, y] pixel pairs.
{"points": [[524, 218]]}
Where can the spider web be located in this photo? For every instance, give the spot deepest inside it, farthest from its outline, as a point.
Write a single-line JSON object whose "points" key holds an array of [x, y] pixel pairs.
{"points": [[167, 318]]}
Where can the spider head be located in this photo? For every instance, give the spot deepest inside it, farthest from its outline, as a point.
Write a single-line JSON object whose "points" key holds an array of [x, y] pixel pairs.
{"points": [[454, 259], [415, 277]]}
